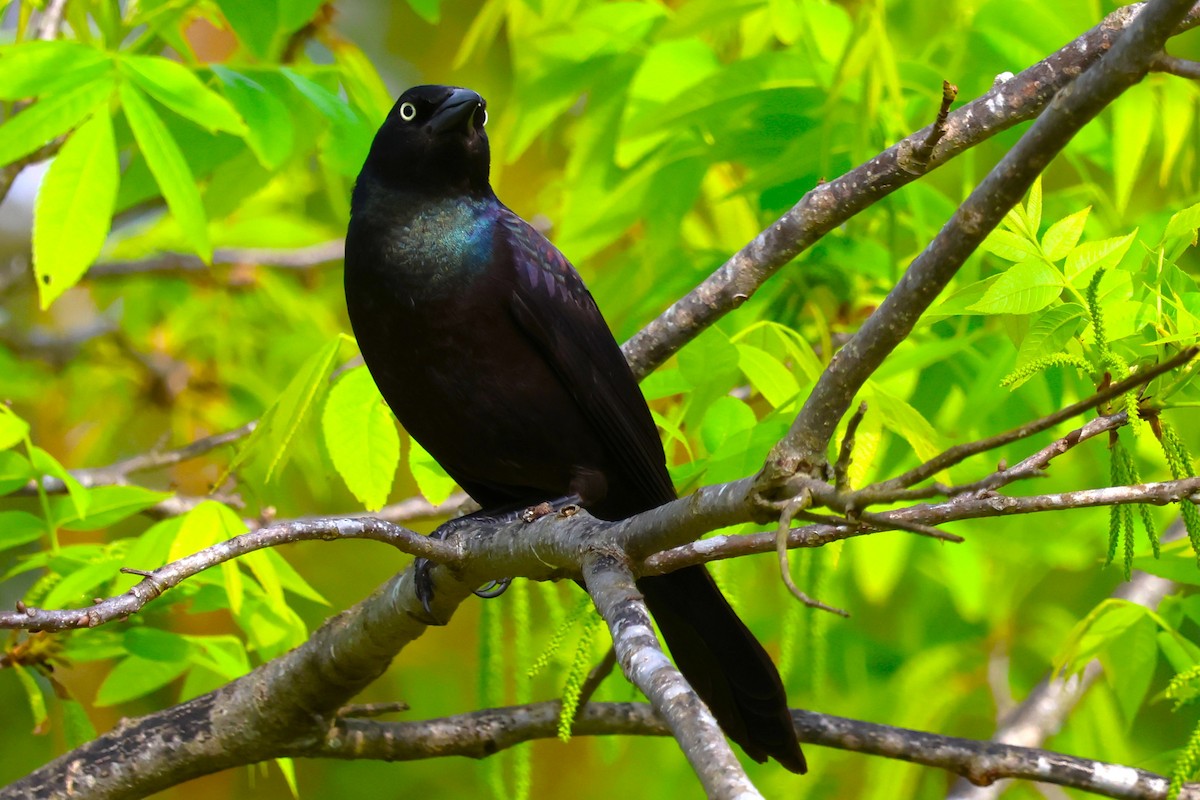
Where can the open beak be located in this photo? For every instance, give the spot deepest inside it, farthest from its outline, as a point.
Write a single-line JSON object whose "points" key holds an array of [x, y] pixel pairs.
{"points": [[457, 111]]}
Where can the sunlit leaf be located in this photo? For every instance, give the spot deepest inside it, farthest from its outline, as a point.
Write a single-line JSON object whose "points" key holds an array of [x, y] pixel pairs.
{"points": [[74, 207], [1060, 239], [50, 117], [1134, 115], [361, 437], [178, 88], [134, 677], [432, 481], [44, 68], [1021, 289]]}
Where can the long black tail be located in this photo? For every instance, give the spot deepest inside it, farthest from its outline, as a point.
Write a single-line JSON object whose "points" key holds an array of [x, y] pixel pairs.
{"points": [[725, 664]]}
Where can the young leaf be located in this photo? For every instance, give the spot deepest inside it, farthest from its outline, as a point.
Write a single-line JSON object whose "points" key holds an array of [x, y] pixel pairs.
{"points": [[1022, 289], [361, 437], [1008, 245], [50, 117], [136, 677], [1050, 332], [1096, 255], [74, 207], [178, 88], [45, 464], [107, 506], [772, 379], [33, 693], [1063, 235], [170, 169]]}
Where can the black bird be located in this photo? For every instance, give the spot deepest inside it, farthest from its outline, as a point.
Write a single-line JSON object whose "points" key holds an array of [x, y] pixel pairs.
{"points": [[492, 353]]}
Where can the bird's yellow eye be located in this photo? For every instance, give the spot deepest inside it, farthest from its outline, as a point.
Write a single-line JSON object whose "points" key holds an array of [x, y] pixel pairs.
{"points": [[408, 112]]}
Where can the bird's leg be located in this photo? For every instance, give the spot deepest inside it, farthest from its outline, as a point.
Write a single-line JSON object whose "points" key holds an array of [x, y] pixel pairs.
{"points": [[423, 567]]}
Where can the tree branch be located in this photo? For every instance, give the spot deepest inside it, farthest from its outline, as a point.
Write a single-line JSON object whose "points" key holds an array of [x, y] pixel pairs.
{"points": [[1123, 66], [610, 583], [285, 258]]}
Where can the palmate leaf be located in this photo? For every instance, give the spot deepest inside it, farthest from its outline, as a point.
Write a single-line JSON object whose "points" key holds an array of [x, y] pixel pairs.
{"points": [[178, 88], [74, 207]]}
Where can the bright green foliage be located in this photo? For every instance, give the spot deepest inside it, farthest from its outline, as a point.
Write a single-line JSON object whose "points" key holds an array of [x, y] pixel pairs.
{"points": [[654, 140]]}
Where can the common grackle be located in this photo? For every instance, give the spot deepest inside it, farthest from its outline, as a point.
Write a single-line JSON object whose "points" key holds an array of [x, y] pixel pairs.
{"points": [[492, 353]]}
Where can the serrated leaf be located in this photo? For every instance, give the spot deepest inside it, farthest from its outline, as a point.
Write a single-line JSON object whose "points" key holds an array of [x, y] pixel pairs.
{"points": [[46, 464], [18, 528], [432, 481], [74, 207], [170, 169], [1021, 289], [13, 429], [134, 677], [107, 505], [1134, 115], [1033, 207], [1183, 224], [179, 89], [1062, 236], [1050, 332], [361, 437], [1008, 245], [1090, 256], [51, 117], [41, 68], [767, 375]]}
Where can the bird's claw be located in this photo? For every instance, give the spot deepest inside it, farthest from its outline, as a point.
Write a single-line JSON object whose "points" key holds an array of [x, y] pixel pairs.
{"points": [[493, 588]]}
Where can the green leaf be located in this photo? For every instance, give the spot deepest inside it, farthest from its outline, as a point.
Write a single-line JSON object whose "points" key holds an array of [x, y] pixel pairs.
{"points": [[170, 169], [1183, 224], [224, 655], [156, 645], [76, 589], [269, 133], [281, 421], [768, 376], [1033, 207], [205, 525], [905, 421], [107, 506], [134, 677], [13, 429], [15, 471], [46, 464], [43, 68], [1134, 115], [1090, 256], [18, 528], [178, 88], [1008, 245], [1129, 665], [74, 207], [51, 117], [1096, 632], [709, 358], [255, 23], [361, 437], [1050, 332], [432, 481], [727, 416], [1021, 289], [33, 694], [1063, 235], [78, 727]]}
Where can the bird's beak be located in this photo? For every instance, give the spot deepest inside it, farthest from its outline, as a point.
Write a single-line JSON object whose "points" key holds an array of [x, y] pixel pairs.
{"points": [[456, 111]]}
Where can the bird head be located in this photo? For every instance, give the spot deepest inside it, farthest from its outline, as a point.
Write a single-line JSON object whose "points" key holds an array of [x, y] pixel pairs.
{"points": [[433, 141]]}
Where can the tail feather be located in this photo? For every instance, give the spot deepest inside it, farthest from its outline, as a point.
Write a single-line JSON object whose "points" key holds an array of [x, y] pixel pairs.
{"points": [[725, 664]]}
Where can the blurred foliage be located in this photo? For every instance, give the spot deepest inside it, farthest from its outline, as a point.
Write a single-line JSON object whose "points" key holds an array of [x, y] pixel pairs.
{"points": [[652, 140]]}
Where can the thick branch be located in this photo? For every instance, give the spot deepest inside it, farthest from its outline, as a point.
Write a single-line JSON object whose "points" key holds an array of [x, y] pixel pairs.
{"points": [[1123, 66]]}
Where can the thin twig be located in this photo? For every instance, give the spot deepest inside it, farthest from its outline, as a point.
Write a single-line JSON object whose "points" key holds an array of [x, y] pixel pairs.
{"points": [[1179, 67], [329, 252]]}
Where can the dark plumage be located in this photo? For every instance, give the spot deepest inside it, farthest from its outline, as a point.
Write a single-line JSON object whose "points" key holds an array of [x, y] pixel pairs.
{"points": [[490, 350]]}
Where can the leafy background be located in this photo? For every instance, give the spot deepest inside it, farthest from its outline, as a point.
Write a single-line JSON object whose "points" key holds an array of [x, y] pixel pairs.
{"points": [[651, 140]]}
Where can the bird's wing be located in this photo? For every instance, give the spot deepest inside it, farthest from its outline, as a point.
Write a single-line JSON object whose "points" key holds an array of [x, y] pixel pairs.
{"points": [[555, 310]]}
